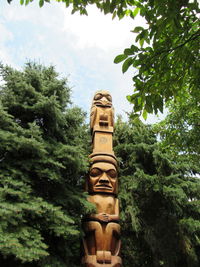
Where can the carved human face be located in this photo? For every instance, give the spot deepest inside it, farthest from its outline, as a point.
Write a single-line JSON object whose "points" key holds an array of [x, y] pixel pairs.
{"points": [[103, 178], [102, 98]]}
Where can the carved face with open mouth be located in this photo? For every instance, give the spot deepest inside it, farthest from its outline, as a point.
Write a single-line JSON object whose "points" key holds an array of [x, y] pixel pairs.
{"points": [[103, 178], [102, 98]]}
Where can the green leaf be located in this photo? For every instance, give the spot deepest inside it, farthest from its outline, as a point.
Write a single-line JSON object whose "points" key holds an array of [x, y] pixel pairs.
{"points": [[144, 114], [127, 63], [148, 105], [141, 42], [73, 11], [137, 29], [135, 12], [128, 97], [158, 103], [114, 14], [128, 52], [67, 2], [137, 38], [120, 58], [106, 7], [41, 3], [21, 2]]}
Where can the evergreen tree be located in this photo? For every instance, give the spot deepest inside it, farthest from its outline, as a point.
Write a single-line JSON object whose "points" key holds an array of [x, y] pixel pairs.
{"points": [[43, 154], [160, 208], [180, 131]]}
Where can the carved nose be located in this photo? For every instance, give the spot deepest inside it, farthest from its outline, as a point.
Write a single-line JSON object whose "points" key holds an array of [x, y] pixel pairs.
{"points": [[104, 100], [104, 178]]}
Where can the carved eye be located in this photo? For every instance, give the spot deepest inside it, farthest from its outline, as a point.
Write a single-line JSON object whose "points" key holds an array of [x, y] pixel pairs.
{"points": [[112, 173], [97, 96], [95, 172], [109, 98]]}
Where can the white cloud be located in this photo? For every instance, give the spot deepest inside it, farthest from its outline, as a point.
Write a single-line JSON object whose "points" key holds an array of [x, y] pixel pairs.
{"points": [[82, 47], [5, 37], [5, 34], [98, 30]]}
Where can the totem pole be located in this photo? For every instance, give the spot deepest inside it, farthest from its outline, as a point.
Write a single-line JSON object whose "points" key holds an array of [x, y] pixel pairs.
{"points": [[102, 230]]}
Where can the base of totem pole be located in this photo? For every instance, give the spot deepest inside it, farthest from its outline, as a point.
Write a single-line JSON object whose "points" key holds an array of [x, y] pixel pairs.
{"points": [[91, 261]]}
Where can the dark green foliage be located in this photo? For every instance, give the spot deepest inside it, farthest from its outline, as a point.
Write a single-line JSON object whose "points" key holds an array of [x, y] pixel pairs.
{"points": [[180, 131], [160, 209], [167, 54], [42, 159]]}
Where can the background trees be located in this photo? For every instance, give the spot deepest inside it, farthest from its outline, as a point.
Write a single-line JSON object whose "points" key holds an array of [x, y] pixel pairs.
{"points": [[180, 131], [159, 199], [43, 155]]}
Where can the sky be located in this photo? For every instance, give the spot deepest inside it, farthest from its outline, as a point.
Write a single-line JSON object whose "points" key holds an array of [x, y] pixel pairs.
{"points": [[81, 48]]}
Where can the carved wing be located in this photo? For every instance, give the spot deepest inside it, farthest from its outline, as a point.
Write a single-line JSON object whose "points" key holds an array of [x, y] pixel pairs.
{"points": [[93, 114]]}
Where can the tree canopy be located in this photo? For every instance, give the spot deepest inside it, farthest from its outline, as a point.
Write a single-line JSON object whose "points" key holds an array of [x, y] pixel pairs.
{"points": [[180, 131], [165, 58], [159, 199], [43, 154]]}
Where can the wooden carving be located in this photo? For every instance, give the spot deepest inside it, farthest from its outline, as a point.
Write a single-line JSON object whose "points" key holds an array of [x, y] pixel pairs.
{"points": [[102, 112], [102, 122], [102, 229]]}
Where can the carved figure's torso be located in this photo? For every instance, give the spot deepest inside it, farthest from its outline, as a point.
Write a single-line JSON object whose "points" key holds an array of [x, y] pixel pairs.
{"points": [[101, 117], [106, 204]]}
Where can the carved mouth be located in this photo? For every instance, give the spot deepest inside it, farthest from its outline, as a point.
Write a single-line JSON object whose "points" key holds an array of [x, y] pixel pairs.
{"points": [[102, 103], [103, 186]]}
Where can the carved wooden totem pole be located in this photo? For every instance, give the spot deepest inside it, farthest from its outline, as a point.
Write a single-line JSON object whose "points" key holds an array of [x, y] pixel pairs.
{"points": [[102, 230]]}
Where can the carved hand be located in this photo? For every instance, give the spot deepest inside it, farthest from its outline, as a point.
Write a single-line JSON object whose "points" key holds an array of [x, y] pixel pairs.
{"points": [[104, 217]]}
